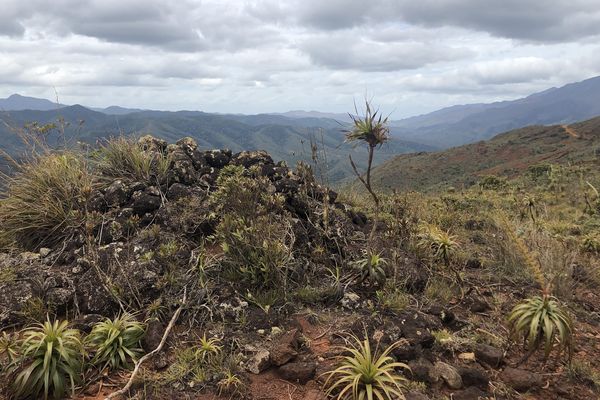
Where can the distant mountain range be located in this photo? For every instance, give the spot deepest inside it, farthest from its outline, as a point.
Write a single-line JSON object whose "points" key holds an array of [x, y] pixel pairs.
{"points": [[462, 124], [283, 137], [508, 154]]}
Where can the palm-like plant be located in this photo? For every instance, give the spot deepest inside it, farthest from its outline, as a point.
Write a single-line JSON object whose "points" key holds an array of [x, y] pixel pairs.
{"points": [[441, 243], [52, 357], [371, 267], [115, 341], [373, 130], [365, 375], [540, 319]]}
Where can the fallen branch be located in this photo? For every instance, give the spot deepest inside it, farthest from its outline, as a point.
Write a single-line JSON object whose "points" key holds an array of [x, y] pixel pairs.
{"points": [[148, 356]]}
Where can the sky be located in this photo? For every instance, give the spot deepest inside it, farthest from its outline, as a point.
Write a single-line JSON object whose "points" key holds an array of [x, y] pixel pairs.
{"points": [[234, 56]]}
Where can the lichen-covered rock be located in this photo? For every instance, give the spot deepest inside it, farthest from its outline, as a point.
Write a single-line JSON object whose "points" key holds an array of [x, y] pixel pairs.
{"points": [[447, 373]]}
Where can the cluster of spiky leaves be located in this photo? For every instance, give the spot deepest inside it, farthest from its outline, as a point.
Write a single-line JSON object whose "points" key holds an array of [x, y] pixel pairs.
{"points": [[541, 320], [52, 359], [370, 128], [441, 242], [366, 375], [371, 267], [116, 341]]}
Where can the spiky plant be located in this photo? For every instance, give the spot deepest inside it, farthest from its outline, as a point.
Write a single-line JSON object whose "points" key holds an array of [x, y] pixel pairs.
{"points": [[8, 347], [115, 341], [541, 320], [208, 347], [364, 375], [371, 129], [442, 245], [371, 267], [52, 358]]}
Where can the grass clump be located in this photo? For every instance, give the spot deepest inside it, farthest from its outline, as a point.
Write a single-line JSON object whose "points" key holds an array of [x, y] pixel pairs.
{"points": [[366, 375], [51, 361], [115, 341], [45, 201], [126, 159]]}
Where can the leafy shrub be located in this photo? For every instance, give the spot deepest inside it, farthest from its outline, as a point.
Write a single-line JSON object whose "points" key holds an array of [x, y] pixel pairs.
{"points": [[591, 243], [115, 341], [45, 200], [539, 320], [258, 251], [366, 375], [492, 182], [52, 357], [126, 159]]}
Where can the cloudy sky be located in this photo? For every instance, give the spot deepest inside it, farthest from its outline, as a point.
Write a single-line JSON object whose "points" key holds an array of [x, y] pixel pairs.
{"points": [[412, 56]]}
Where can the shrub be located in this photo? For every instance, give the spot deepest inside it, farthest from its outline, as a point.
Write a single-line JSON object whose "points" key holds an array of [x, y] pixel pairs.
{"points": [[115, 341], [492, 182], [539, 320], [126, 159], [45, 200], [366, 375], [258, 251], [52, 357]]}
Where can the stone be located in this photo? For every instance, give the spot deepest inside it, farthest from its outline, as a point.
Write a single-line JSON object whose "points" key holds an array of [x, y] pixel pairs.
{"points": [[350, 300], [448, 373], [420, 369], [249, 158], [489, 355], [412, 395], [259, 362], [474, 377], [188, 144], [154, 332], [521, 380], [177, 191], [87, 322], [284, 349], [151, 143], [479, 305], [146, 201], [470, 393], [300, 372], [314, 394], [44, 252], [217, 158], [117, 194]]}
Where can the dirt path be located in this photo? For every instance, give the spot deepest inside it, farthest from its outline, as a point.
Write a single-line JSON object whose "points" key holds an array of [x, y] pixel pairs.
{"points": [[570, 131]]}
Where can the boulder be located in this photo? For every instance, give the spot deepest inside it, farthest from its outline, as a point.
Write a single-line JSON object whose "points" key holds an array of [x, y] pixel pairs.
{"points": [[420, 369], [474, 377], [447, 373], [285, 347], [470, 393], [146, 201], [258, 362], [489, 355], [300, 372], [521, 380]]}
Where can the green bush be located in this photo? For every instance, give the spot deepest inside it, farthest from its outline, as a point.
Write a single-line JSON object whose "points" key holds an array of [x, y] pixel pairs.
{"points": [[52, 357], [45, 200], [257, 252], [115, 341]]}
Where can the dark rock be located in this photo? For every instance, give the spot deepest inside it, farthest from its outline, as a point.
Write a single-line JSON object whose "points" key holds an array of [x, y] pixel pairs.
{"points": [[447, 373], [471, 393], [188, 145], [249, 158], [521, 380], [479, 305], [161, 361], [286, 185], [407, 352], [300, 372], [474, 377], [13, 296], [473, 224], [420, 369], [416, 328], [489, 355], [154, 332], [150, 143], [445, 315], [87, 322], [412, 395], [473, 263], [358, 217], [285, 347], [117, 194], [177, 191], [181, 168], [147, 201], [217, 158], [92, 296], [97, 202]]}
